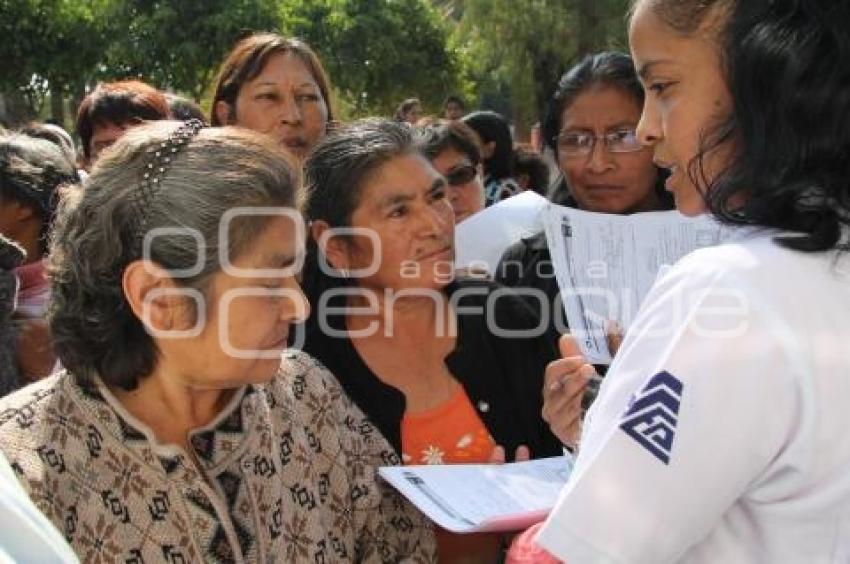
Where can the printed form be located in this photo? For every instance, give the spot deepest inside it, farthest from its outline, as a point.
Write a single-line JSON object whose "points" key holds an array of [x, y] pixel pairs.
{"points": [[467, 498], [606, 264]]}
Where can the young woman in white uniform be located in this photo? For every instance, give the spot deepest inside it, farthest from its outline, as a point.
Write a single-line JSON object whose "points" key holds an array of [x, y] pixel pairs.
{"points": [[721, 431]]}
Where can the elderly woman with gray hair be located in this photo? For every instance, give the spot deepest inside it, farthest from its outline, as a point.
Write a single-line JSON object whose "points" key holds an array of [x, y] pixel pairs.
{"points": [[181, 429]]}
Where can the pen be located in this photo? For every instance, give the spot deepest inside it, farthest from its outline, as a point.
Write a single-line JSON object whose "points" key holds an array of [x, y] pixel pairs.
{"points": [[596, 380]]}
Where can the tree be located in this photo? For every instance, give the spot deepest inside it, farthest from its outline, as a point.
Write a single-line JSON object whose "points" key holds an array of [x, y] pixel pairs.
{"points": [[54, 45], [378, 52], [522, 48], [180, 43]]}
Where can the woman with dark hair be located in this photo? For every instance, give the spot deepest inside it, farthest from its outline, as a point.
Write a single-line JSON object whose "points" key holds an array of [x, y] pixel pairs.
{"points": [[11, 257], [452, 147], [275, 85], [184, 109], [181, 430], [590, 126], [32, 173], [453, 107], [720, 433], [409, 111], [497, 152], [450, 371], [111, 108], [531, 171]]}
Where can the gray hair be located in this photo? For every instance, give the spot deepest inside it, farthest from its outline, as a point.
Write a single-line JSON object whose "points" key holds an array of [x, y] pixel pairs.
{"points": [[96, 238], [56, 135], [31, 171]]}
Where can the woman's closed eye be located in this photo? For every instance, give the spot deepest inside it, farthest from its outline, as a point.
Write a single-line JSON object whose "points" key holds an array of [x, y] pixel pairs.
{"points": [[659, 88], [398, 211], [307, 97]]}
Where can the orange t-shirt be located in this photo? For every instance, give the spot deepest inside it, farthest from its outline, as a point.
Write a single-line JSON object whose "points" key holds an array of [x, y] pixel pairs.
{"points": [[451, 433]]}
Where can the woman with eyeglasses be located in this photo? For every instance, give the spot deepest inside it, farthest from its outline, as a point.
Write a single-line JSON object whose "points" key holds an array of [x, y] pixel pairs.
{"points": [[453, 149], [590, 126]]}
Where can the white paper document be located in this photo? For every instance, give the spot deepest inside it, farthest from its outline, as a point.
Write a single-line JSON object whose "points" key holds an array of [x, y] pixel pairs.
{"points": [[466, 498], [606, 264], [483, 238]]}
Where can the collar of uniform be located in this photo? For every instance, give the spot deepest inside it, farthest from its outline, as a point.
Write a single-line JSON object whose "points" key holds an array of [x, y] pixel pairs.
{"points": [[213, 445]]}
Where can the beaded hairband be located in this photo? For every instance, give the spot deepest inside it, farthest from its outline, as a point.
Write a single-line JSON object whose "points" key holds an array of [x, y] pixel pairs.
{"points": [[156, 168]]}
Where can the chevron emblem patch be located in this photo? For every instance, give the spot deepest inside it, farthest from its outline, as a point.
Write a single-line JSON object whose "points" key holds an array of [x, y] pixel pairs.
{"points": [[653, 414]]}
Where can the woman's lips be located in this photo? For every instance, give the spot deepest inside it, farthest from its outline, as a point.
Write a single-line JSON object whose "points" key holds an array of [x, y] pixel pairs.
{"points": [[668, 182], [440, 254], [605, 187], [296, 144]]}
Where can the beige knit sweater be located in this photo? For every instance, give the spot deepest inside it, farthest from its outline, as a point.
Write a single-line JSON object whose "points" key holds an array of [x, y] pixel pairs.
{"points": [[288, 474]]}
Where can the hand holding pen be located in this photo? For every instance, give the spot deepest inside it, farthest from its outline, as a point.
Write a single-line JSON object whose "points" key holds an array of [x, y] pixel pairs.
{"points": [[565, 383]]}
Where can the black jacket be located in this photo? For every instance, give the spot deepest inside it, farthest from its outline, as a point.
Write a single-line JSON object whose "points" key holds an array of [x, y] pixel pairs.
{"points": [[528, 264], [502, 375]]}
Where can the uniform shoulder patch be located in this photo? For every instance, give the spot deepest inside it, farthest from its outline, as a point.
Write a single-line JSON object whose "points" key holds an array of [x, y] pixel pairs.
{"points": [[653, 414]]}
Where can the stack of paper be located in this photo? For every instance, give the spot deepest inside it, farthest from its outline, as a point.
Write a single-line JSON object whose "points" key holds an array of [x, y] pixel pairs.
{"points": [[606, 264], [467, 498]]}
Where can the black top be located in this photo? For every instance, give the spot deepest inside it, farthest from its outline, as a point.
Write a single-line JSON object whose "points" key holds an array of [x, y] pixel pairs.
{"points": [[528, 264], [501, 374]]}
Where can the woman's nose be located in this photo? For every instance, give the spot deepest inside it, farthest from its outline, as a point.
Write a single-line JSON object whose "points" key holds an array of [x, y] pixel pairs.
{"points": [[295, 308], [290, 113], [600, 158], [648, 129]]}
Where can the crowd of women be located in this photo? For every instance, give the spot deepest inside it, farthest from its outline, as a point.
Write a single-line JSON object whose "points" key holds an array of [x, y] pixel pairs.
{"points": [[212, 336]]}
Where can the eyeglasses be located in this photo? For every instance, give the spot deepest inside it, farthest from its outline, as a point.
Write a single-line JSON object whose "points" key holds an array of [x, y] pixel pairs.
{"points": [[461, 175], [572, 144]]}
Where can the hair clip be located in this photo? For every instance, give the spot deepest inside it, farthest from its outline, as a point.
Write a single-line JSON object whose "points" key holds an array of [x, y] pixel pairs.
{"points": [[157, 167]]}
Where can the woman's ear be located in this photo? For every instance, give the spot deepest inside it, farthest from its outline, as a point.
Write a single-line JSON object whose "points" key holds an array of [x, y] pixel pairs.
{"points": [[150, 292], [224, 113], [334, 247]]}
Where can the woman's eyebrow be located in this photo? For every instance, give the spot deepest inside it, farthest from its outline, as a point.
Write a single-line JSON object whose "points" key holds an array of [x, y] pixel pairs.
{"points": [[280, 260], [648, 67], [394, 199], [438, 184]]}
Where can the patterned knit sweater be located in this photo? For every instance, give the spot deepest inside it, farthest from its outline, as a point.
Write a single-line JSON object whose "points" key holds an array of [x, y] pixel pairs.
{"points": [[287, 474]]}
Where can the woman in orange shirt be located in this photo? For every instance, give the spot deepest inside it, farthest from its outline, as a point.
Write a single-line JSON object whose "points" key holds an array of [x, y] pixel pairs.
{"points": [[449, 370]]}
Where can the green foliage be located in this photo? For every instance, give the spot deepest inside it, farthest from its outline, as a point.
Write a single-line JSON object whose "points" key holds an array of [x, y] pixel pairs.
{"points": [[378, 52], [515, 51], [505, 54], [50, 41], [180, 43]]}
